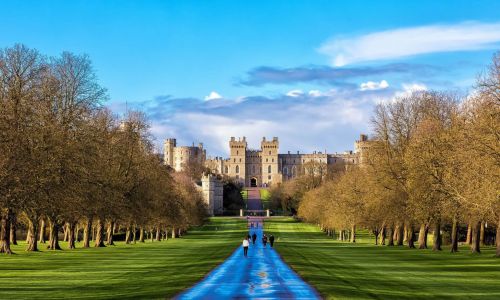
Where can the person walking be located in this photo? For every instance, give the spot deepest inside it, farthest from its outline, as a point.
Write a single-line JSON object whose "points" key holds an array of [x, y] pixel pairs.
{"points": [[271, 240], [245, 245], [264, 240], [254, 238]]}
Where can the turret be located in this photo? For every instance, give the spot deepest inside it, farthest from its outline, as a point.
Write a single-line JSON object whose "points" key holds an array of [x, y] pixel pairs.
{"points": [[169, 146]]}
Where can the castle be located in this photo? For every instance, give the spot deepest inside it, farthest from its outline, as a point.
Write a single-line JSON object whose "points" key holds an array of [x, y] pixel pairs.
{"points": [[178, 157], [263, 167]]}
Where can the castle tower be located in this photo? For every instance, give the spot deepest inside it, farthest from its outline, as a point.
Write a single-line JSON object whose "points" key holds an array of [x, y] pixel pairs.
{"points": [[237, 161], [270, 149], [168, 152]]}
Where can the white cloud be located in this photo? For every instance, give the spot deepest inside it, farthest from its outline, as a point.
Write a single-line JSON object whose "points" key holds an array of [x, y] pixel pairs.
{"points": [[213, 96], [372, 85], [315, 93], [295, 93], [404, 42]]}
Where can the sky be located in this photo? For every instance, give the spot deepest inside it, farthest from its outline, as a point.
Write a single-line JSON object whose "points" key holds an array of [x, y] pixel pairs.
{"points": [[308, 72]]}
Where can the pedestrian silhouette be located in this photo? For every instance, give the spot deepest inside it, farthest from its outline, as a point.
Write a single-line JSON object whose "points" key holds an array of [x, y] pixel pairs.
{"points": [[264, 240], [271, 240], [254, 237], [245, 245]]}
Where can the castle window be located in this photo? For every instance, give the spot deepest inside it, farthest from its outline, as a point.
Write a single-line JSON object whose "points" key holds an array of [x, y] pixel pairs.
{"points": [[237, 152], [269, 177], [273, 160], [226, 170], [237, 169], [269, 152], [285, 170], [269, 169], [240, 159], [267, 160], [234, 159]]}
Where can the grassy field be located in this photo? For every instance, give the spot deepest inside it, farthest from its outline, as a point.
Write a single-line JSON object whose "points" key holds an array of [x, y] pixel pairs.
{"points": [[363, 271], [264, 198], [146, 271]]}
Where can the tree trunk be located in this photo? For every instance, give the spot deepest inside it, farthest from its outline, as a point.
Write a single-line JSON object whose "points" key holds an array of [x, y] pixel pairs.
{"points": [[180, 232], [391, 236], [42, 231], [27, 236], [476, 236], [5, 231], [13, 229], [422, 236], [109, 238], [166, 233], [410, 236], [134, 231], [158, 237], [375, 233], [173, 232], [53, 235], [353, 233], [128, 235], [481, 235], [382, 235], [498, 238], [454, 235], [71, 229], [86, 233], [141, 234], [65, 230], [32, 235], [405, 234], [468, 240], [400, 237], [437, 240], [77, 233], [99, 234]]}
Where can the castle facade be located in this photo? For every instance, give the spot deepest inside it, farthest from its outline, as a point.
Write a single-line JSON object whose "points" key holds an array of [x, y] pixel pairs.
{"points": [[264, 166], [179, 157]]}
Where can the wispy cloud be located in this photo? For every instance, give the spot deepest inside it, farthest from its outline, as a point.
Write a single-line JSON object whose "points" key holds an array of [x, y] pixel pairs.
{"points": [[332, 76], [213, 96], [372, 85], [410, 41], [309, 120]]}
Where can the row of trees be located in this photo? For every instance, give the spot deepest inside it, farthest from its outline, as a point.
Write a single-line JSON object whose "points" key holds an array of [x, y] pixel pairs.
{"points": [[65, 160], [432, 165]]}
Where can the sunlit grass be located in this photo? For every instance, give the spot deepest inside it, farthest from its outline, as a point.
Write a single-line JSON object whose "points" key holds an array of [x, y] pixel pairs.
{"points": [[365, 271], [146, 271]]}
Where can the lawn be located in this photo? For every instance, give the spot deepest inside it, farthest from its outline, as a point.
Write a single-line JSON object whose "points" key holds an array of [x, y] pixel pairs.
{"points": [[341, 270], [151, 270], [264, 197]]}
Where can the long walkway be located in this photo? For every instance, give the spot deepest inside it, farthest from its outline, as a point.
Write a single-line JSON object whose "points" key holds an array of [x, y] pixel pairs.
{"points": [[263, 275]]}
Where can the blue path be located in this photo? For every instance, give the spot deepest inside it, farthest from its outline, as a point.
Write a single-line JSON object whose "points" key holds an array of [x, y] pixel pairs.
{"points": [[263, 275]]}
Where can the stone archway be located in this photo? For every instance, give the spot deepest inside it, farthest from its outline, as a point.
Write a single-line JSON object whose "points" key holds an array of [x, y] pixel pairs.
{"points": [[253, 182]]}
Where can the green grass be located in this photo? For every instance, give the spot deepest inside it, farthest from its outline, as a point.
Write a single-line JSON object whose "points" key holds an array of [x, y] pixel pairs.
{"points": [[341, 270], [265, 196], [145, 271]]}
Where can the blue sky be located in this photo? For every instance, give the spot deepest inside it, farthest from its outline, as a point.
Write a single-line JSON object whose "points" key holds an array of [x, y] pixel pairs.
{"points": [[309, 72]]}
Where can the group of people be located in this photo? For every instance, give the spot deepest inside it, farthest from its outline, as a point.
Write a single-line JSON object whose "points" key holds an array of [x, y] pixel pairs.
{"points": [[253, 238]]}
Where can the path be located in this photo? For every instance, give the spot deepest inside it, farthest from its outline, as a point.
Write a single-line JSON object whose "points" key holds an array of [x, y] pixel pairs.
{"points": [[263, 274], [253, 200]]}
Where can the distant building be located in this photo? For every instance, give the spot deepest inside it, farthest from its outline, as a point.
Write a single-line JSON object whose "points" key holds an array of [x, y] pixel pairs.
{"points": [[212, 190], [361, 148], [267, 166], [178, 157]]}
